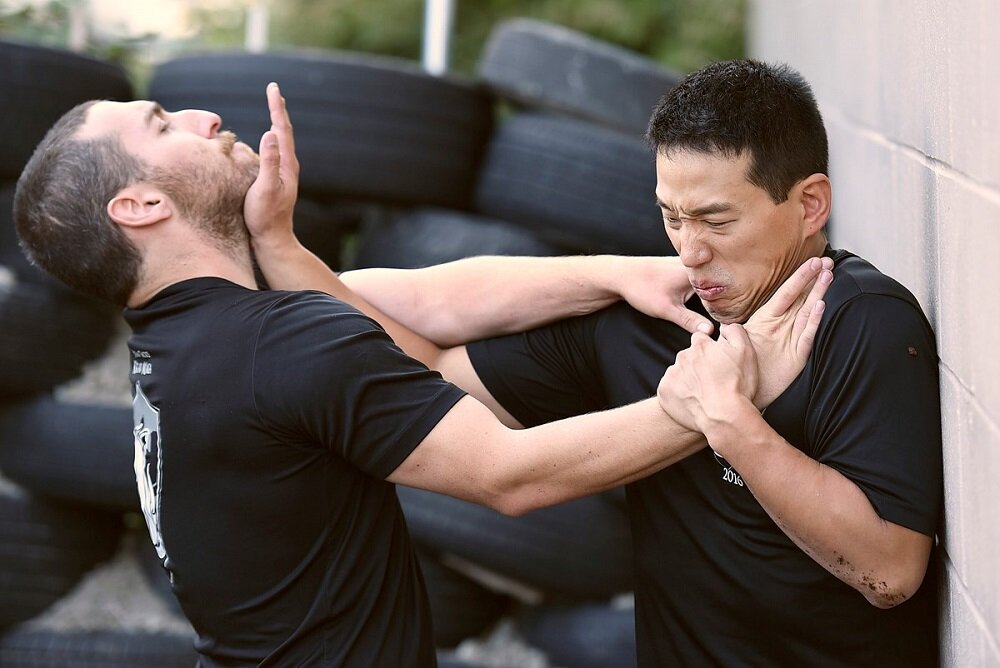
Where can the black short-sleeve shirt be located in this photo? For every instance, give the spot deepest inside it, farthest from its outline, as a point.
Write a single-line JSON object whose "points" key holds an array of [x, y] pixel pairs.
{"points": [[266, 423], [717, 582]]}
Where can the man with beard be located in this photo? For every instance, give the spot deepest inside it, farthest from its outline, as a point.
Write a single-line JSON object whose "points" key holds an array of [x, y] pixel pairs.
{"points": [[271, 426], [803, 534]]}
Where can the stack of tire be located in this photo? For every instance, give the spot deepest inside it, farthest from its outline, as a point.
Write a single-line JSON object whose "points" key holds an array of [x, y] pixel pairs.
{"points": [[57, 522], [543, 155]]}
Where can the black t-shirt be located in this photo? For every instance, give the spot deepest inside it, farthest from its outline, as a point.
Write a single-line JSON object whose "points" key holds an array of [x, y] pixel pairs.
{"points": [[717, 582], [266, 423]]}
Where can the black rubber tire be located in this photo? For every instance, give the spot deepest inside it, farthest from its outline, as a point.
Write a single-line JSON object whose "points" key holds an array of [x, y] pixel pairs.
{"points": [[37, 86], [75, 452], [547, 66], [45, 547], [45, 648], [449, 659], [584, 636], [46, 335], [573, 184], [460, 607], [579, 549], [322, 228], [425, 237], [365, 126], [10, 253]]}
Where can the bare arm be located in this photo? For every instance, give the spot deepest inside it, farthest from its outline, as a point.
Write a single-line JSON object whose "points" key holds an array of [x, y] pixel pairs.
{"points": [[460, 301], [471, 456], [474, 458], [481, 297], [822, 511]]}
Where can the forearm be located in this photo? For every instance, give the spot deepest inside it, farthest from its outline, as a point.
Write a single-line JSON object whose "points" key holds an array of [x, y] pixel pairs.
{"points": [[822, 511], [471, 456], [482, 297], [290, 266], [590, 453]]}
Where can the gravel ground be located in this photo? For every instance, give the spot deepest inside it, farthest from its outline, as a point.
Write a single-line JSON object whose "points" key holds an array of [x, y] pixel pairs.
{"points": [[116, 595]]}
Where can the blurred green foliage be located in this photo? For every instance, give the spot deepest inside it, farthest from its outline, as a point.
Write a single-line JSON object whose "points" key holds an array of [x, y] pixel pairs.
{"points": [[684, 34], [48, 24], [42, 24]]}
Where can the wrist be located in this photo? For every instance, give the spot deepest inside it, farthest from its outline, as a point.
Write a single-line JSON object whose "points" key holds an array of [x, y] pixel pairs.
{"points": [[617, 272], [730, 421], [277, 243]]}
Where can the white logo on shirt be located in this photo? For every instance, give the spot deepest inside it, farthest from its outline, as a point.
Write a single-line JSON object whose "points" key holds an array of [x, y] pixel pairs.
{"points": [[148, 464], [141, 366], [728, 473]]}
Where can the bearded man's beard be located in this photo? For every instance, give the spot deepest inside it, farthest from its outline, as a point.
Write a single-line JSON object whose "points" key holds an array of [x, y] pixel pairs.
{"points": [[211, 196]]}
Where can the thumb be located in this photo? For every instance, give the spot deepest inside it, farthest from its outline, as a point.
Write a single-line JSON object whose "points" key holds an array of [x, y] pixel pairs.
{"points": [[735, 336], [270, 160], [689, 320]]}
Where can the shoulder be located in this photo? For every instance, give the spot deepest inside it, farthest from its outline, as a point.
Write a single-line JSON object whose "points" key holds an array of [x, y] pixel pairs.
{"points": [[313, 331], [308, 341], [286, 303], [312, 313], [868, 309], [854, 277]]}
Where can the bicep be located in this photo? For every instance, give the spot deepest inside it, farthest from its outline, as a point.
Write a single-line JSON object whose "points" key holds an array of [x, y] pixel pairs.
{"points": [[905, 556], [459, 456], [912, 547]]}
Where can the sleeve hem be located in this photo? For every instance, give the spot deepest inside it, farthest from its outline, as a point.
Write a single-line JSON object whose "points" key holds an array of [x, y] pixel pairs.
{"points": [[416, 431]]}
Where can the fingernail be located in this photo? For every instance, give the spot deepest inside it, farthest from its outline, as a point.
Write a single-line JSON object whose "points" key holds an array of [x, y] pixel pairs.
{"points": [[815, 263], [826, 276]]}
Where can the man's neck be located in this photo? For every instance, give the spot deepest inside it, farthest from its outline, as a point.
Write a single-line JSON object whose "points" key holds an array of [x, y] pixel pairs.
{"points": [[205, 261]]}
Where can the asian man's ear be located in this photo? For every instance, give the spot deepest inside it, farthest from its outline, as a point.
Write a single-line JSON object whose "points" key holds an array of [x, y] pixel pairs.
{"points": [[816, 198]]}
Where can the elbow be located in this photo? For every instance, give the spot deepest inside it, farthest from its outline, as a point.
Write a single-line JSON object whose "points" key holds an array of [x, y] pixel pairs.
{"points": [[513, 480], [512, 497], [889, 591], [512, 503], [511, 507], [887, 599], [523, 503]]}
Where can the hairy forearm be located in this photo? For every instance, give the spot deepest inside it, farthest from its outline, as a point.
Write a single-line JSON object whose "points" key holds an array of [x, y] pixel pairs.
{"points": [[822, 511], [482, 297], [548, 464], [471, 456]]}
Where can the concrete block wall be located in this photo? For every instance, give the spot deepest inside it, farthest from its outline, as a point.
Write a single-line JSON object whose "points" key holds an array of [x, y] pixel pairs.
{"points": [[910, 92]]}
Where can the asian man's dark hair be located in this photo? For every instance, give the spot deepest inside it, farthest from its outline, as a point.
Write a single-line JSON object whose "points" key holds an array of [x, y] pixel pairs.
{"points": [[746, 106]]}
